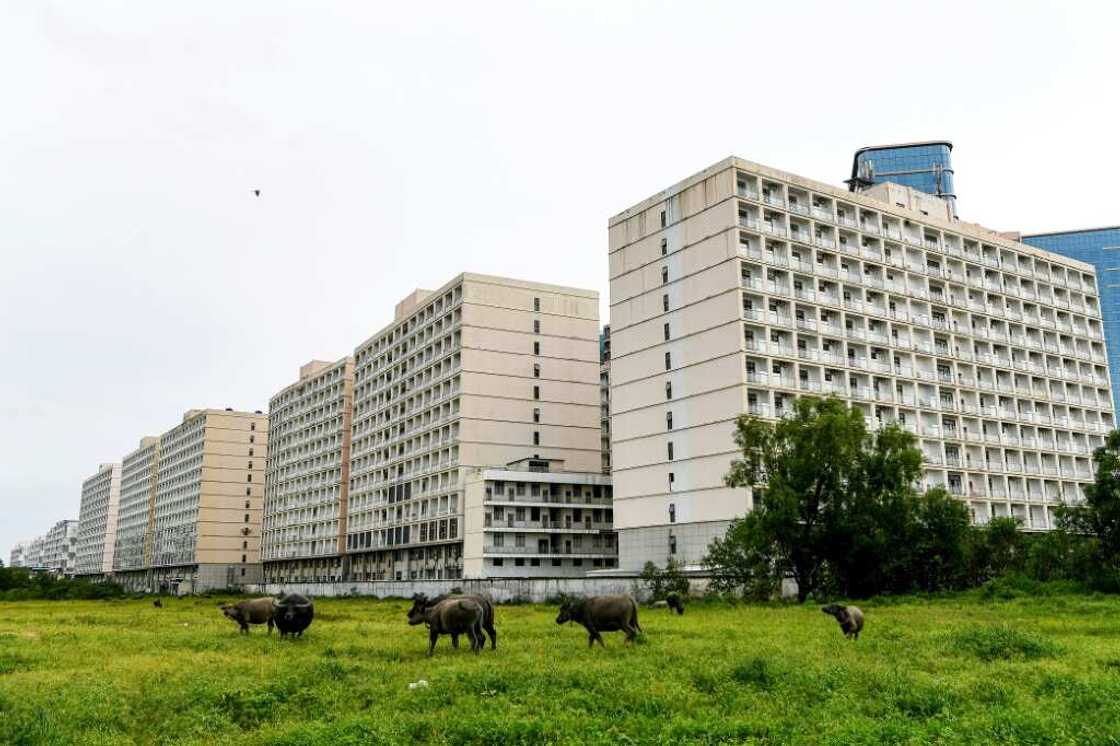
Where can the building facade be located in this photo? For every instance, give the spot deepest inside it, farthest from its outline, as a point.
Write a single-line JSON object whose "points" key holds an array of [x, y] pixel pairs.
{"points": [[533, 518], [136, 522], [481, 373], [605, 397], [60, 547], [743, 287], [97, 521], [307, 479], [924, 166], [20, 555], [1101, 248]]}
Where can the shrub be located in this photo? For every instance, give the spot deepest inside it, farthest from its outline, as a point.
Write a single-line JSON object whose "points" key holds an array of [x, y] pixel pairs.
{"points": [[1003, 643]]}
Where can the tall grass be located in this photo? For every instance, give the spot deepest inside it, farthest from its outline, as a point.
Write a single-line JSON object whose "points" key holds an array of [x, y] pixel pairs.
{"points": [[948, 669]]}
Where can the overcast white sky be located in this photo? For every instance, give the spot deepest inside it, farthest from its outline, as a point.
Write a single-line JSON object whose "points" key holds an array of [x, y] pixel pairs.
{"points": [[399, 144]]}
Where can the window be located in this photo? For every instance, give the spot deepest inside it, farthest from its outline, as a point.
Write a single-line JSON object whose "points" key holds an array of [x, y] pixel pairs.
{"points": [[670, 450], [665, 301], [536, 348], [668, 389], [665, 328], [246, 517], [668, 420], [250, 451], [536, 370], [536, 392], [536, 326], [244, 545], [536, 414], [664, 246], [672, 512], [668, 361], [662, 218], [252, 438], [664, 275], [249, 478], [536, 437], [246, 505], [536, 304], [243, 558], [671, 480], [672, 544], [250, 466], [252, 426], [248, 491]]}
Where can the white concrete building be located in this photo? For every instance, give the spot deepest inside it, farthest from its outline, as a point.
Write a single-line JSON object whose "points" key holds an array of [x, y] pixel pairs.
{"points": [[533, 518], [20, 555], [307, 479], [480, 373], [97, 521], [136, 523], [742, 287], [60, 547]]}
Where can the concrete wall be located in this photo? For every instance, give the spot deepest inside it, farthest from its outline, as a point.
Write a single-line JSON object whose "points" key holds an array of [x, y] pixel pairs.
{"points": [[500, 589]]}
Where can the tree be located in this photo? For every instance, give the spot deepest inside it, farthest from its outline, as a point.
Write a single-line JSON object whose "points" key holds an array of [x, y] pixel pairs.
{"points": [[1098, 516], [806, 471], [663, 582]]}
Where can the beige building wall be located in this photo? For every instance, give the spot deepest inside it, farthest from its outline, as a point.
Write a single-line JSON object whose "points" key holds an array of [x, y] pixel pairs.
{"points": [[208, 502], [482, 372], [97, 521], [308, 475], [743, 287]]}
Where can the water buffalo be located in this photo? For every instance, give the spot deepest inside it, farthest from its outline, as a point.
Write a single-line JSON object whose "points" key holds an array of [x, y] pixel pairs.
{"points": [[157, 603], [602, 614], [452, 616], [487, 612], [293, 614], [849, 617], [253, 611]]}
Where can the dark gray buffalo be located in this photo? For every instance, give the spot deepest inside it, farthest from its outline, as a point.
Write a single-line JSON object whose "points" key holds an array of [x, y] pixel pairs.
{"points": [[849, 617], [452, 616], [253, 611], [482, 600], [602, 614], [293, 614]]}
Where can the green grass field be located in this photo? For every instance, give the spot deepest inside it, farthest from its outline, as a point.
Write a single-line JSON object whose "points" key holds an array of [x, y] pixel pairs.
{"points": [[955, 670]]}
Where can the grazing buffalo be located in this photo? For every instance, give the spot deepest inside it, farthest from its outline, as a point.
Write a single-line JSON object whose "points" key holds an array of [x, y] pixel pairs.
{"points": [[849, 617], [253, 611], [158, 603], [293, 614], [602, 614], [452, 616], [482, 600]]}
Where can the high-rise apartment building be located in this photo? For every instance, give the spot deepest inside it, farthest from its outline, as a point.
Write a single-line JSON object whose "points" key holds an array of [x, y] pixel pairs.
{"points": [[97, 521], [33, 553], [924, 166], [482, 373], [1101, 248], [20, 555], [742, 287], [307, 479], [136, 521], [60, 547], [192, 498]]}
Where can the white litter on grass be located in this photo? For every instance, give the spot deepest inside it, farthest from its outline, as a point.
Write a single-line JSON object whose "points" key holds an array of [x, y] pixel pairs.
{"points": [[421, 684]]}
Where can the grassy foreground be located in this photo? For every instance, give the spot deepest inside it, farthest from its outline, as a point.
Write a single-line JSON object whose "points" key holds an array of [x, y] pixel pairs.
{"points": [[956, 670]]}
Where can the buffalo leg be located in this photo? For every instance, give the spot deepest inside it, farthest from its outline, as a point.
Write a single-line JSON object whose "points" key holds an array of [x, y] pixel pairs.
{"points": [[455, 640], [432, 637], [493, 636], [270, 626]]}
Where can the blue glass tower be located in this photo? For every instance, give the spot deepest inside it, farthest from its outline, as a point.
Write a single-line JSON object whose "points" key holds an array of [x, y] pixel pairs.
{"points": [[1101, 248], [925, 166]]}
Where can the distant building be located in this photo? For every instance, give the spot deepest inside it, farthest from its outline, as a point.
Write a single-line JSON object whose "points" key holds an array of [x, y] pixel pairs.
{"points": [[60, 547], [307, 480], [925, 166], [21, 554], [481, 373], [1101, 248], [605, 396], [202, 487], [97, 521]]}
